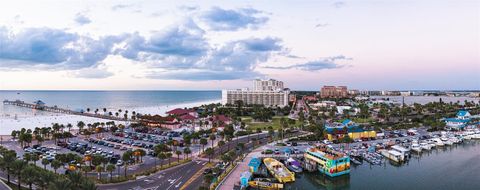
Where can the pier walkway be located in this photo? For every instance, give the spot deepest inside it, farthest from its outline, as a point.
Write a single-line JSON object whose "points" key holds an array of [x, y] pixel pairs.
{"points": [[39, 105]]}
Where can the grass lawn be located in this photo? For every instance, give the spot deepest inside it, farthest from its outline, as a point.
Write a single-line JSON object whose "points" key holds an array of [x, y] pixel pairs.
{"points": [[275, 123]]}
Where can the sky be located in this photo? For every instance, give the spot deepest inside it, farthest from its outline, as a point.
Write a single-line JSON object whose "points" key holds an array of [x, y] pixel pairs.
{"points": [[211, 45]]}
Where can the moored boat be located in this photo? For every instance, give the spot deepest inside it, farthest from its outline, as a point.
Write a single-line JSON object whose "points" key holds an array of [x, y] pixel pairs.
{"points": [[265, 185], [278, 170], [393, 155], [293, 165]]}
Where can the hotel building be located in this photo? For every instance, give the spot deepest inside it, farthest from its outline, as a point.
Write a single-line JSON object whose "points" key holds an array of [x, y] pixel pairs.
{"points": [[266, 92], [334, 92]]}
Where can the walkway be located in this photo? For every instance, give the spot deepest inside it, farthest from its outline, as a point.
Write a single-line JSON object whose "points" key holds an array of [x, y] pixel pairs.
{"points": [[234, 177]]}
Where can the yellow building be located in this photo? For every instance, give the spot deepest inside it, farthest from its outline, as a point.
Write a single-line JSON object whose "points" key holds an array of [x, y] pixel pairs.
{"points": [[347, 127]]}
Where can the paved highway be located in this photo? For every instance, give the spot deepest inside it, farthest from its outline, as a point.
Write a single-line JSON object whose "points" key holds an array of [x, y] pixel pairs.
{"points": [[169, 179]]}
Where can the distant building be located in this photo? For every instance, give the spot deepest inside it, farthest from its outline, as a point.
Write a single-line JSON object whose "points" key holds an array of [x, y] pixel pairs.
{"points": [[405, 93], [267, 85], [272, 96], [390, 93], [309, 98], [353, 92], [323, 104], [334, 92], [371, 92]]}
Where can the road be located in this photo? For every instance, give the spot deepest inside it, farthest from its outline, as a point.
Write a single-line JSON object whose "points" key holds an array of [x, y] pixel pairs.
{"points": [[170, 179], [175, 178]]}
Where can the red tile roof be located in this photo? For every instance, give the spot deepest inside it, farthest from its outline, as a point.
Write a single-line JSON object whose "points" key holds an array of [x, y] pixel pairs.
{"points": [[222, 118], [187, 117], [179, 111]]}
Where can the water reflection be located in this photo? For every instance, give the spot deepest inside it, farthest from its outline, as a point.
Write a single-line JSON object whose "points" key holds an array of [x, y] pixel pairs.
{"points": [[449, 167]]}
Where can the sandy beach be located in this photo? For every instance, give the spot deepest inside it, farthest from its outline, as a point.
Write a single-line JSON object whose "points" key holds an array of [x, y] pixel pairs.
{"points": [[9, 123]]}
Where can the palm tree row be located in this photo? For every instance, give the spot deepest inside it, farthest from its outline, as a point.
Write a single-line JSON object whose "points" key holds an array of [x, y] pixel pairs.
{"points": [[30, 174]]}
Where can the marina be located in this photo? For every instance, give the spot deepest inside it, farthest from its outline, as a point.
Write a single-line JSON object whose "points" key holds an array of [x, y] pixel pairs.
{"points": [[331, 167]]}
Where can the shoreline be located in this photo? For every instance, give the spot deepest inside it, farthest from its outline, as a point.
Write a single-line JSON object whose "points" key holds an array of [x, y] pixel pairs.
{"points": [[10, 123]]}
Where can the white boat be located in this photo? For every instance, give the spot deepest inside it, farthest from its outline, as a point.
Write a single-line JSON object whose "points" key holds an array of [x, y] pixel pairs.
{"points": [[467, 137], [416, 148], [425, 146], [448, 142], [401, 149], [455, 140], [476, 136], [393, 155], [438, 142]]}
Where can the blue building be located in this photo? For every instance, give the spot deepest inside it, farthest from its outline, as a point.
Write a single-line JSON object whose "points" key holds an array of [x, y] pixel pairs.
{"points": [[254, 164], [459, 122]]}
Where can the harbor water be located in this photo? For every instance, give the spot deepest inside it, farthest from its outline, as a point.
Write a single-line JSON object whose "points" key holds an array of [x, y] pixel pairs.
{"points": [[455, 167]]}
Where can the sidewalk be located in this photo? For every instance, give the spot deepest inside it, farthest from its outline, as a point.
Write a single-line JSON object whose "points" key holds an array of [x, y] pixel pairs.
{"points": [[234, 177]]}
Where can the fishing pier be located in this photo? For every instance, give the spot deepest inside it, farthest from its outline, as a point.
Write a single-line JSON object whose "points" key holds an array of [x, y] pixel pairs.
{"points": [[39, 105]]}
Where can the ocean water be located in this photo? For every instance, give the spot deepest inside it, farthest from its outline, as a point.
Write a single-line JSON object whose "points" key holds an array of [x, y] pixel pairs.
{"points": [[112, 100], [456, 167]]}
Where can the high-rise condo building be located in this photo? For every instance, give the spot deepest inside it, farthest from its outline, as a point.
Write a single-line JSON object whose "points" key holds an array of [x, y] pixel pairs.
{"points": [[265, 92]]}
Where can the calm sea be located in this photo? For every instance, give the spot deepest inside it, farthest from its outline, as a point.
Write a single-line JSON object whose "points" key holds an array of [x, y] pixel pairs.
{"points": [[106, 99], [456, 167]]}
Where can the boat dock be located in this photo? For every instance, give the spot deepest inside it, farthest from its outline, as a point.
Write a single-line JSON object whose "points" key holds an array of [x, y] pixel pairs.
{"points": [[39, 105]]}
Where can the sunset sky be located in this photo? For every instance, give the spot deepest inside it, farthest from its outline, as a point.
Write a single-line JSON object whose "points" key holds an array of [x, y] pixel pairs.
{"points": [[160, 45]]}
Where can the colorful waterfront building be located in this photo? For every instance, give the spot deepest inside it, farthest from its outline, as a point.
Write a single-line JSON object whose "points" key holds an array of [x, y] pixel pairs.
{"points": [[460, 121], [335, 131], [327, 161], [254, 164]]}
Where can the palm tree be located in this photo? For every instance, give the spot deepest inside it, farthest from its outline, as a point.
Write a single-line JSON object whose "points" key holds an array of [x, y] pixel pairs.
{"points": [[80, 126], [29, 173], [55, 165], [169, 155], [125, 158], [39, 139], [76, 179], [14, 134], [99, 170], [85, 169], [17, 167], [220, 144], [6, 162], [187, 151], [212, 138], [110, 168], [27, 157], [203, 142], [178, 153], [69, 126], [61, 184], [162, 156], [45, 162], [209, 152], [43, 178]]}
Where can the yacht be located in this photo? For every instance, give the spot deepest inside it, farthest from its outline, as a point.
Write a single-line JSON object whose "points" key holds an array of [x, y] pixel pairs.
{"points": [[425, 146], [416, 148], [438, 142], [448, 142]]}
